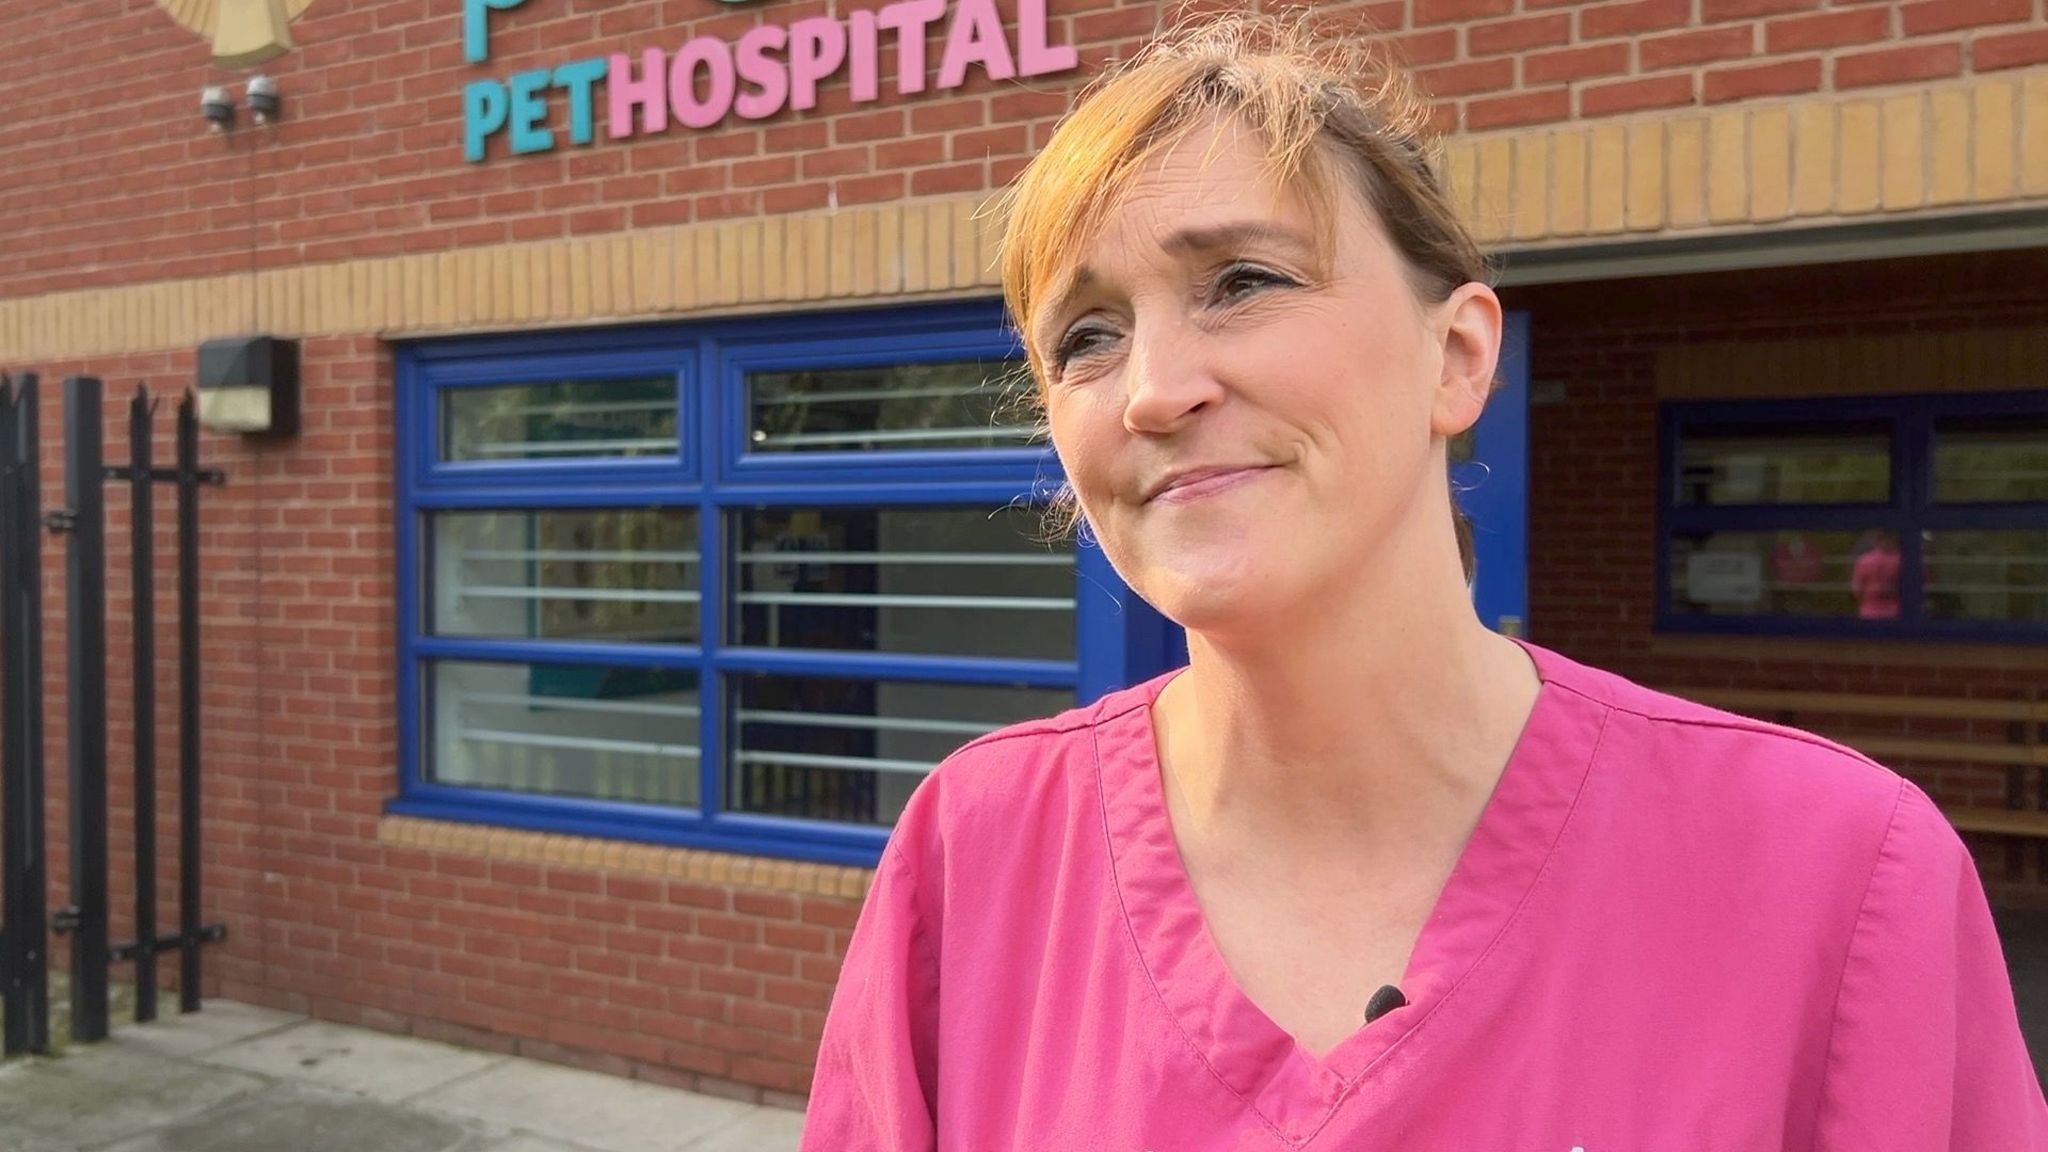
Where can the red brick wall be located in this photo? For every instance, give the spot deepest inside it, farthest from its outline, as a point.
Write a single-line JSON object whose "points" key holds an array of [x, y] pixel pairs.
{"points": [[1593, 463], [116, 179]]}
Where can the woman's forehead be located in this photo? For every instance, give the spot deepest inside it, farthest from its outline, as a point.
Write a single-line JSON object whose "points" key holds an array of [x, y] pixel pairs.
{"points": [[1214, 159], [1182, 210], [1192, 201]]}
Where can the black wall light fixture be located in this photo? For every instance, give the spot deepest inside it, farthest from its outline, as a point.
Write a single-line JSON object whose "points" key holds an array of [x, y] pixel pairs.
{"points": [[250, 384]]}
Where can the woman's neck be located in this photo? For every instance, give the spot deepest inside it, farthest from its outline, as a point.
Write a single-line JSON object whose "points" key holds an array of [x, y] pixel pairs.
{"points": [[1352, 719]]}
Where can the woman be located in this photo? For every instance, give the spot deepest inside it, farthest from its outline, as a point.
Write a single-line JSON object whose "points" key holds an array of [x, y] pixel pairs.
{"points": [[1875, 578], [1366, 875]]}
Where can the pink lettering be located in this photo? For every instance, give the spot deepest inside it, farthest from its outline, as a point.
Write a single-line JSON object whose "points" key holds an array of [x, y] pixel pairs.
{"points": [[714, 56], [1034, 56], [767, 74], [817, 47], [908, 19], [976, 37], [627, 92], [771, 67], [866, 57]]}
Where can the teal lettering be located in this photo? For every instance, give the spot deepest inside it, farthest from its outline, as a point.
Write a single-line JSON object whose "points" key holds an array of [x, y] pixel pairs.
{"points": [[476, 26], [483, 113], [530, 112], [578, 79]]}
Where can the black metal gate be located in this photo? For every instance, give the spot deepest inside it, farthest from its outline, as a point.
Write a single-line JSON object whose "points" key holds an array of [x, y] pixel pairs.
{"points": [[24, 899]]}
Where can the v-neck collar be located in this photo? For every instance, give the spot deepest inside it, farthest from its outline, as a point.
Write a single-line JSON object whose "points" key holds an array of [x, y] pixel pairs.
{"points": [[1291, 1090]]}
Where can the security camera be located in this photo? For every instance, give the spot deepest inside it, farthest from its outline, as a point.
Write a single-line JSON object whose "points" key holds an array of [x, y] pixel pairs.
{"points": [[263, 99], [219, 108]]}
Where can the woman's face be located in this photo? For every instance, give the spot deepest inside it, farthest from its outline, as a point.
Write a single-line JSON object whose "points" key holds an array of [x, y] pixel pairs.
{"points": [[1248, 424]]}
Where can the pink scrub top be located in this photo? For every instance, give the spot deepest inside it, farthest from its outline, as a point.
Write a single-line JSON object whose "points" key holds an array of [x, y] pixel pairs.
{"points": [[1673, 929], [1875, 580]]}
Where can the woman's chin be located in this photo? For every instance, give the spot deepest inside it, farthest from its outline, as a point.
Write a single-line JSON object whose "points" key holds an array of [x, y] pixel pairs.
{"points": [[1215, 599]]}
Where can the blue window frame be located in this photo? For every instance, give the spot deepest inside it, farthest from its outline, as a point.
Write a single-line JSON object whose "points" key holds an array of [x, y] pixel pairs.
{"points": [[736, 623], [1898, 516]]}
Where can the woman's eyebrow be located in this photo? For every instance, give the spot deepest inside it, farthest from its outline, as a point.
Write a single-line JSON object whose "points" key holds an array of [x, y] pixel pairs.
{"points": [[1238, 234]]}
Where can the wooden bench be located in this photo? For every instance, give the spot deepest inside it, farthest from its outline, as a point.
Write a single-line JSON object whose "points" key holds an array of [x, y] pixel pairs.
{"points": [[2025, 721]]}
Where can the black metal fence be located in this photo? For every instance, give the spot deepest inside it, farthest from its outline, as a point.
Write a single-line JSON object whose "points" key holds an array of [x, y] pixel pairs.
{"points": [[24, 900]]}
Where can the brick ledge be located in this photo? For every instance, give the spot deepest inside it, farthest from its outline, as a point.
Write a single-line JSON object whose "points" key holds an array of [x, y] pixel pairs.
{"points": [[591, 852]]}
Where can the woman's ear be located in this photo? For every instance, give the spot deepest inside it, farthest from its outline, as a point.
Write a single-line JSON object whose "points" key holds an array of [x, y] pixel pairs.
{"points": [[1469, 326]]}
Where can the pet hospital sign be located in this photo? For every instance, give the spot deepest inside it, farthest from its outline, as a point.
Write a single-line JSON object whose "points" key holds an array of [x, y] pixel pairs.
{"points": [[763, 71]]}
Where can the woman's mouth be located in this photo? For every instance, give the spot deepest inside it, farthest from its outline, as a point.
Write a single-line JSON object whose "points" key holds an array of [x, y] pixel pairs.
{"points": [[1201, 483]]}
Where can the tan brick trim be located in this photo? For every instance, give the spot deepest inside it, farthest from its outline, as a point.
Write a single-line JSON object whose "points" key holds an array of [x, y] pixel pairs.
{"points": [[923, 249], [1831, 157], [1824, 158], [586, 852]]}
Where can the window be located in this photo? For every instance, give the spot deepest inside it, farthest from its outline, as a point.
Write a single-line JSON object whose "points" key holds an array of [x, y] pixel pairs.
{"points": [[737, 585], [970, 581], [602, 418], [1909, 516], [628, 574], [957, 404]]}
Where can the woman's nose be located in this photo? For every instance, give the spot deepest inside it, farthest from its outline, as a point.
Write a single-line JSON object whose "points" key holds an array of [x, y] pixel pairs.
{"points": [[1169, 378]]}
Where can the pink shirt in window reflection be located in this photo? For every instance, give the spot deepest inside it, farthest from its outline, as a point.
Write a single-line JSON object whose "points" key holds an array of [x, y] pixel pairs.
{"points": [[1875, 580]]}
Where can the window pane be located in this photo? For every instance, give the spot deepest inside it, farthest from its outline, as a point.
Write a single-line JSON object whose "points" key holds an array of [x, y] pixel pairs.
{"points": [[1846, 466], [1788, 573], [963, 404], [569, 419], [1987, 576], [853, 750], [935, 581], [566, 730], [627, 574], [2003, 460]]}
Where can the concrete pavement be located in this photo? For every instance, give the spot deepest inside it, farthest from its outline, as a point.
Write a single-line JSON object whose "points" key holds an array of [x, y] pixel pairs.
{"points": [[236, 1078]]}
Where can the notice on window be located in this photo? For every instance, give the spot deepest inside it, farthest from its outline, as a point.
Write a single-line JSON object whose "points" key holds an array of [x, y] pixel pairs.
{"points": [[1742, 479], [1725, 578]]}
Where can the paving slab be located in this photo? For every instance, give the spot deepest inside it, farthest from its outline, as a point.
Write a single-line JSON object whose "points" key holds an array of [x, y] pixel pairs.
{"points": [[217, 1024], [372, 1064], [19, 1141], [601, 1113], [239, 1079], [767, 1130], [302, 1119], [528, 1142], [99, 1094]]}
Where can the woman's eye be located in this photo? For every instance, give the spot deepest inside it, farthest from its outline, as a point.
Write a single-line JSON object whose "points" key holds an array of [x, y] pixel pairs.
{"points": [[1240, 280], [1080, 341]]}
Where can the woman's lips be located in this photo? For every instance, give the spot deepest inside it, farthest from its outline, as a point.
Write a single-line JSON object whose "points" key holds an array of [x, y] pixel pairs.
{"points": [[1205, 483]]}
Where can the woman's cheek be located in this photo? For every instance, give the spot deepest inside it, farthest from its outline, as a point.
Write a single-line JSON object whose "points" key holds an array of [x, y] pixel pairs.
{"points": [[1071, 446], [1080, 423]]}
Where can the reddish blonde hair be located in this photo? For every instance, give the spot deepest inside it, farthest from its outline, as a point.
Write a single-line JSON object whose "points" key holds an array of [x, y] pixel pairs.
{"points": [[1336, 117]]}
